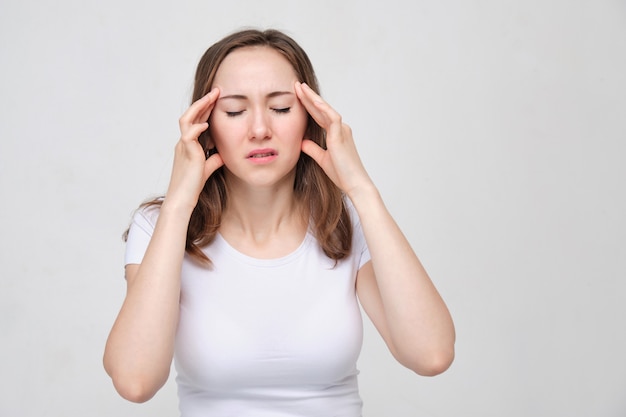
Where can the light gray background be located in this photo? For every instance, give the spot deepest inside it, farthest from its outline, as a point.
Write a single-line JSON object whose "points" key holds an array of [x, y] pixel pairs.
{"points": [[495, 130]]}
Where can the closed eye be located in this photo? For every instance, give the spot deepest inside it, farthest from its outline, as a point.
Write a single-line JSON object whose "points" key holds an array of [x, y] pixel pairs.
{"points": [[233, 113], [282, 110]]}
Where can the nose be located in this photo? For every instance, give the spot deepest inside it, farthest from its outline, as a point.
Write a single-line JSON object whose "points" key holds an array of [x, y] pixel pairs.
{"points": [[260, 127]]}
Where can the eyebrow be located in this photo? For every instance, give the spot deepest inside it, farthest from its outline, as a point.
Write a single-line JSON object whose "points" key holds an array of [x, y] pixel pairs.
{"points": [[243, 97]]}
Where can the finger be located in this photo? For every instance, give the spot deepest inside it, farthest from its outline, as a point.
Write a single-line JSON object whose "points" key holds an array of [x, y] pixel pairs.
{"points": [[215, 93], [307, 101], [321, 111], [314, 150], [200, 110], [192, 132], [212, 164]]}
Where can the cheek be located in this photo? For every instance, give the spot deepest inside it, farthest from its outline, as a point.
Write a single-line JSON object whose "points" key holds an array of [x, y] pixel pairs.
{"points": [[223, 132], [218, 140]]}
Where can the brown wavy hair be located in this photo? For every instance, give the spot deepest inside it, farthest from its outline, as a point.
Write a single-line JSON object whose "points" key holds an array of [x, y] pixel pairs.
{"points": [[330, 220]]}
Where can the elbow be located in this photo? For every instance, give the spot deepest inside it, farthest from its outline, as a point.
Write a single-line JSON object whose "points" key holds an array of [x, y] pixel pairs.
{"points": [[134, 391], [428, 363], [438, 364], [135, 388]]}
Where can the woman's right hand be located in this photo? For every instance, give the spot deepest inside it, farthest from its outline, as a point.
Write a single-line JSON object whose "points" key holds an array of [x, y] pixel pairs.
{"points": [[191, 168], [140, 347]]}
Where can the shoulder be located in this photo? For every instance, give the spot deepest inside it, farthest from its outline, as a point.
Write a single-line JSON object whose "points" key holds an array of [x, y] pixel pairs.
{"points": [[147, 213]]}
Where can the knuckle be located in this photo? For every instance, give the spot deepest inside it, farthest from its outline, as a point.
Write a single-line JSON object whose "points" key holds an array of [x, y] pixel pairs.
{"points": [[187, 136], [336, 118], [184, 118]]}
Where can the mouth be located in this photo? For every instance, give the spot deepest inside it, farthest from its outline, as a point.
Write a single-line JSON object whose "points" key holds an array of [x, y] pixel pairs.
{"points": [[262, 153]]}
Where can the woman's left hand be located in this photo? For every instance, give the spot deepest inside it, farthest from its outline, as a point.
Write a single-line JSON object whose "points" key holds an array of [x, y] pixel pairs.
{"points": [[340, 160], [394, 289]]}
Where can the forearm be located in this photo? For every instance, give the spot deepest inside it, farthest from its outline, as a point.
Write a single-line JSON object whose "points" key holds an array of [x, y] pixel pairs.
{"points": [[418, 322], [140, 347]]}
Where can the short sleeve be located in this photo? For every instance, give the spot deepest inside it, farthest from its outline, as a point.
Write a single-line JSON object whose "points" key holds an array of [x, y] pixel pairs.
{"points": [[359, 245], [139, 234]]}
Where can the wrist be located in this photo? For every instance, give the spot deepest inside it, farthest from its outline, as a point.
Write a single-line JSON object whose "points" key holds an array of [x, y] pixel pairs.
{"points": [[177, 209], [363, 194]]}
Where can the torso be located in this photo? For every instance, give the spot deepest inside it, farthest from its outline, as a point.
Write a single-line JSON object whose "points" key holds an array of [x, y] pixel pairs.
{"points": [[280, 334]]}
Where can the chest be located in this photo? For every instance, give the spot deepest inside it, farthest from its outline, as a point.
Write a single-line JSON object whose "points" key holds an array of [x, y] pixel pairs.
{"points": [[245, 325]]}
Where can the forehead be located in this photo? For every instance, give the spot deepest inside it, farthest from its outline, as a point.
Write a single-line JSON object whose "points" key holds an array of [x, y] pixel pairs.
{"points": [[254, 66]]}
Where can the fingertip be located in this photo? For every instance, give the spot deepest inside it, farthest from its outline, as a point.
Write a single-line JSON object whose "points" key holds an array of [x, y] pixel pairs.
{"points": [[298, 88], [214, 92], [317, 99], [306, 88]]}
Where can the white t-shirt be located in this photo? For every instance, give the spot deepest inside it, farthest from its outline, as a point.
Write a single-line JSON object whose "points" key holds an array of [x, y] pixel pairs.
{"points": [[266, 337]]}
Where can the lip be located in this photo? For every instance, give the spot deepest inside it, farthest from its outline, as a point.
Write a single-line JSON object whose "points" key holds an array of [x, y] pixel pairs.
{"points": [[261, 156]]}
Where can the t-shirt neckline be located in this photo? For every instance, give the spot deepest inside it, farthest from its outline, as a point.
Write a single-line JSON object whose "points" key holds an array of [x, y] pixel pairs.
{"points": [[261, 262]]}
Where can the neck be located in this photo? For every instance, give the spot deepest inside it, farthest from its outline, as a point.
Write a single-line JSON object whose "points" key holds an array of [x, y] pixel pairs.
{"points": [[262, 213]]}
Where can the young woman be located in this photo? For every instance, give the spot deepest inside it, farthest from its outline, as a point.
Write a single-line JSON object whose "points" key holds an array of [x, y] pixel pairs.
{"points": [[250, 270]]}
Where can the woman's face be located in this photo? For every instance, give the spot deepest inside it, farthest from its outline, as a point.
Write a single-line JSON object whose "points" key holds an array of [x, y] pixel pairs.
{"points": [[258, 123]]}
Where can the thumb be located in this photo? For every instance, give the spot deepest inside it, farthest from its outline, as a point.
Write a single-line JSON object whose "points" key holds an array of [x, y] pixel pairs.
{"points": [[212, 164], [312, 149]]}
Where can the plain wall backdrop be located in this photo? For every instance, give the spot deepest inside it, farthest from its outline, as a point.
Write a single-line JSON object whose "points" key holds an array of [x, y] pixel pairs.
{"points": [[495, 130]]}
